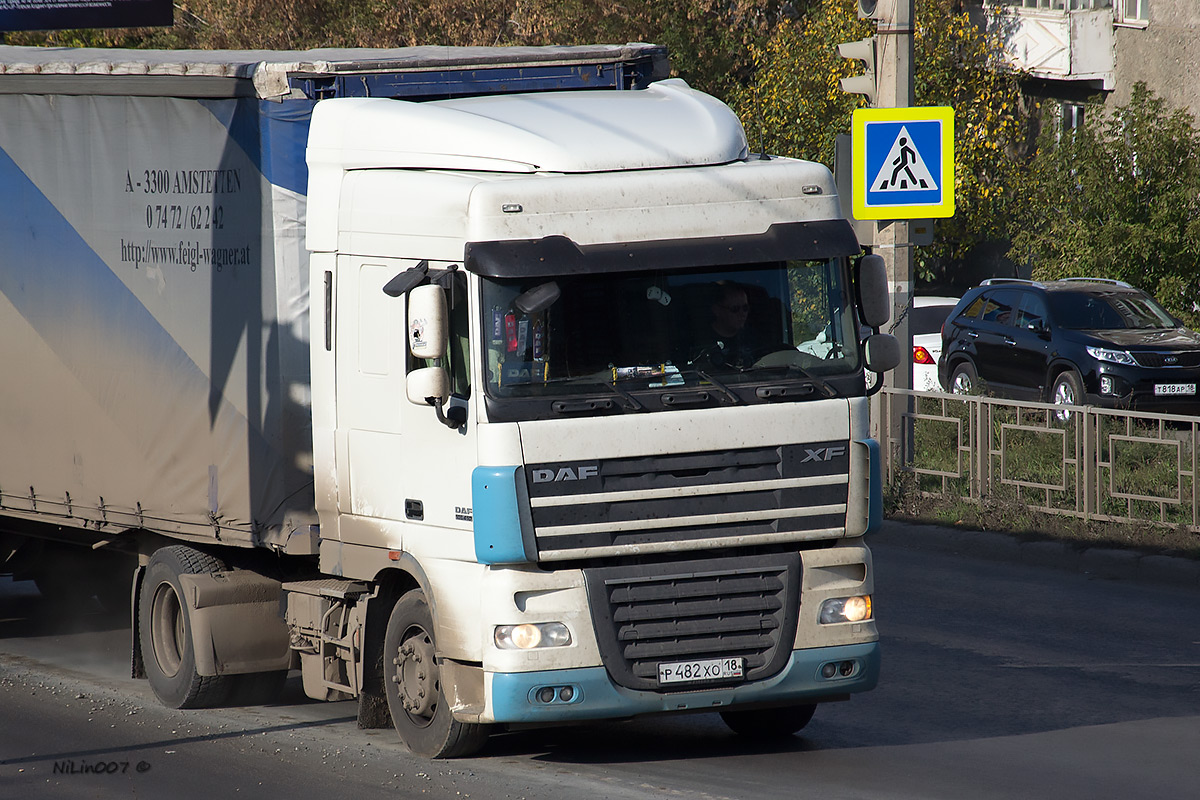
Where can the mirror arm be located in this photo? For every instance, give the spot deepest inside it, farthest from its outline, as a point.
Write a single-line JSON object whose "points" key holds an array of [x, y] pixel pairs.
{"points": [[441, 415]]}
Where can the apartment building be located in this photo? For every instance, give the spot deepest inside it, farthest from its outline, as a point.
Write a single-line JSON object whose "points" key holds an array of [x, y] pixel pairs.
{"points": [[1076, 50]]}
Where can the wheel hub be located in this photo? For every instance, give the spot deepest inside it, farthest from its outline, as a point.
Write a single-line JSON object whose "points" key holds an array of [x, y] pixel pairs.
{"points": [[417, 675]]}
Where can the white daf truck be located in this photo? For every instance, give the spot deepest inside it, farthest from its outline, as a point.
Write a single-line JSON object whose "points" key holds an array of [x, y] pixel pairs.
{"points": [[488, 386]]}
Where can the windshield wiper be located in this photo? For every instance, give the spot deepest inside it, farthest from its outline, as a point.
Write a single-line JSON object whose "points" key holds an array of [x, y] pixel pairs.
{"points": [[633, 401], [593, 404], [780, 391], [722, 388]]}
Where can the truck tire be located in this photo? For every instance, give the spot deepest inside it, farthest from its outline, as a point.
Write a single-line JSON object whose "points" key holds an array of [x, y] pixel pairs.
{"points": [[764, 723], [165, 630], [420, 712]]}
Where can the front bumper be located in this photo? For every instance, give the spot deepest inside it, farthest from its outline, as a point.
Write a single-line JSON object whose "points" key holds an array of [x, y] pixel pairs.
{"points": [[513, 697], [1132, 388]]}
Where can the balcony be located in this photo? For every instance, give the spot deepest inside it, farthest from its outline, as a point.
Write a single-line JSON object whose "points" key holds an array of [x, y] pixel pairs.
{"points": [[1058, 40]]}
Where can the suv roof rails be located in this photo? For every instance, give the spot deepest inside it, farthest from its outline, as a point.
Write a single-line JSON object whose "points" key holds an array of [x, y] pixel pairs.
{"points": [[1111, 281], [998, 281]]}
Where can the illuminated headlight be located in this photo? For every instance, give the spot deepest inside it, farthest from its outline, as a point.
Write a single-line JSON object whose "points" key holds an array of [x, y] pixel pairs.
{"points": [[530, 635], [846, 609], [1111, 356]]}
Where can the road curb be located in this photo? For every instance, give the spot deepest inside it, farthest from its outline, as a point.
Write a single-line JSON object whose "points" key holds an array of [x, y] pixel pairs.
{"points": [[1102, 562]]}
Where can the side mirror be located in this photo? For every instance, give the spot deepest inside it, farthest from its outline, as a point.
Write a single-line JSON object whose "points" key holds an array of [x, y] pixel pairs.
{"points": [[882, 352], [428, 386], [873, 297], [428, 323]]}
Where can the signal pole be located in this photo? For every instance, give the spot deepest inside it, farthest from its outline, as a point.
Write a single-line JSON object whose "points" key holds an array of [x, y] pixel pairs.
{"points": [[892, 53], [894, 89]]}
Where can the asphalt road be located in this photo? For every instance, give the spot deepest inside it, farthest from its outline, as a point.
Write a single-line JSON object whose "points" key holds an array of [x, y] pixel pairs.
{"points": [[1000, 680]]}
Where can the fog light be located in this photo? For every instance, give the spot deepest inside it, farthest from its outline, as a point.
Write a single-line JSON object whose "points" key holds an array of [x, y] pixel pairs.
{"points": [[846, 668], [566, 694], [530, 635], [1106, 385], [846, 609], [829, 670], [546, 694]]}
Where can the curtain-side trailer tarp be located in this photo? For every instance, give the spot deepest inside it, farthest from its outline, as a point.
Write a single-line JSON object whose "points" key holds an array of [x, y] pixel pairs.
{"points": [[153, 276]]}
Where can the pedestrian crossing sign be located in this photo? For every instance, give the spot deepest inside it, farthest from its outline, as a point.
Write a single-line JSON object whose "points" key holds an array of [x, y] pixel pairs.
{"points": [[903, 162]]}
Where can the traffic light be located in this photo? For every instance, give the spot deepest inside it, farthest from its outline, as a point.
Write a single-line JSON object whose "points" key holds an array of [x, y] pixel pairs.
{"points": [[871, 9], [864, 51]]}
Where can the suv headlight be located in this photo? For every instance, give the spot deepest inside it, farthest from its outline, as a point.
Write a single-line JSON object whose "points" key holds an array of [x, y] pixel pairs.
{"points": [[1111, 356]]}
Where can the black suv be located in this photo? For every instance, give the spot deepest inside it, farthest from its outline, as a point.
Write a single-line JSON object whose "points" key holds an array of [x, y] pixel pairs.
{"points": [[1078, 341]]}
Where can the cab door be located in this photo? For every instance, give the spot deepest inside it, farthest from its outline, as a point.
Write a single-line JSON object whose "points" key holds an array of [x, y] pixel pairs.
{"points": [[396, 461], [370, 389]]}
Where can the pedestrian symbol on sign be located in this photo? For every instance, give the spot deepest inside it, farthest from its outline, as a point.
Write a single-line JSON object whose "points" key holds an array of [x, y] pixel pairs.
{"points": [[903, 168], [903, 163]]}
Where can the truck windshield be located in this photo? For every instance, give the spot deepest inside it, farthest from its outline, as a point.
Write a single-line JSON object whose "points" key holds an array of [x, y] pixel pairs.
{"points": [[650, 340]]}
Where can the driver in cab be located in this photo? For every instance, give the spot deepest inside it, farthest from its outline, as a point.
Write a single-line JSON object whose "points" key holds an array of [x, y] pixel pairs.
{"points": [[728, 345]]}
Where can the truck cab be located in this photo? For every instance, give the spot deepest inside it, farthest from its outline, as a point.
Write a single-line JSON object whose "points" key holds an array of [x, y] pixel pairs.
{"points": [[591, 387]]}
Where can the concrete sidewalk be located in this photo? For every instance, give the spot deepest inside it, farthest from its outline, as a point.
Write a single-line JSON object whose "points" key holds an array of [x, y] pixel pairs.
{"points": [[1101, 562]]}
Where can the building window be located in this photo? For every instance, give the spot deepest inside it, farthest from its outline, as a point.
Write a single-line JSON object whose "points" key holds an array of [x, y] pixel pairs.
{"points": [[1136, 12], [1072, 116], [1058, 5]]}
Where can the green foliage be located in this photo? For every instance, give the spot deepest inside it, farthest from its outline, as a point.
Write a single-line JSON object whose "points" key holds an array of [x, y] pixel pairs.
{"points": [[1118, 198], [795, 106]]}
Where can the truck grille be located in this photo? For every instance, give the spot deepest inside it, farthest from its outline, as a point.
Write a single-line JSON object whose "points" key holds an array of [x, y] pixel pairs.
{"points": [[646, 615], [655, 504]]}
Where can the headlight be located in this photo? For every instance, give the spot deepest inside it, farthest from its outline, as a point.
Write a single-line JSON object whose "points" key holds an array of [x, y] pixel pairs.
{"points": [[846, 609], [527, 636], [1111, 356]]}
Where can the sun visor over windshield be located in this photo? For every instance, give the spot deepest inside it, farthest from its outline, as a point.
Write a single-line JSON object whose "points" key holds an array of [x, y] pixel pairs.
{"points": [[558, 255]]}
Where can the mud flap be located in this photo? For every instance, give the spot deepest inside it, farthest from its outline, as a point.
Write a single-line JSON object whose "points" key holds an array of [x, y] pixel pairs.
{"points": [[237, 622], [138, 667]]}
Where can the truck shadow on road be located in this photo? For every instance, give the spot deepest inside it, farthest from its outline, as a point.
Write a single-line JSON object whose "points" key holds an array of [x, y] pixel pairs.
{"points": [[25, 613]]}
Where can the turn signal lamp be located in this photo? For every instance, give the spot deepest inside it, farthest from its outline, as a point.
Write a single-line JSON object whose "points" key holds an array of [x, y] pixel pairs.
{"points": [[921, 355]]}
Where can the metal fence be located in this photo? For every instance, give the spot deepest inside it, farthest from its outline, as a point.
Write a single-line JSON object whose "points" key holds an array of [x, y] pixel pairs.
{"points": [[1085, 462]]}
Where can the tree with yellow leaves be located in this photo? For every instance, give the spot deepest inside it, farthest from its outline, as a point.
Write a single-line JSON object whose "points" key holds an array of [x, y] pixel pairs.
{"points": [[795, 106]]}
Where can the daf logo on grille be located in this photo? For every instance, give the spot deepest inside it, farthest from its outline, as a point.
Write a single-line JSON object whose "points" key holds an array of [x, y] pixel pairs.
{"points": [[566, 474], [823, 454]]}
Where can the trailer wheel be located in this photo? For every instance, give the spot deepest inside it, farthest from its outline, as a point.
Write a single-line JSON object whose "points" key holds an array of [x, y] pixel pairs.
{"points": [[165, 628], [764, 723], [415, 697]]}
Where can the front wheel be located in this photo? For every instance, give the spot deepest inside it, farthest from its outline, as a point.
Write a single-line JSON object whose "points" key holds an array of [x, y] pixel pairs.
{"points": [[764, 723], [1067, 390], [412, 681]]}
